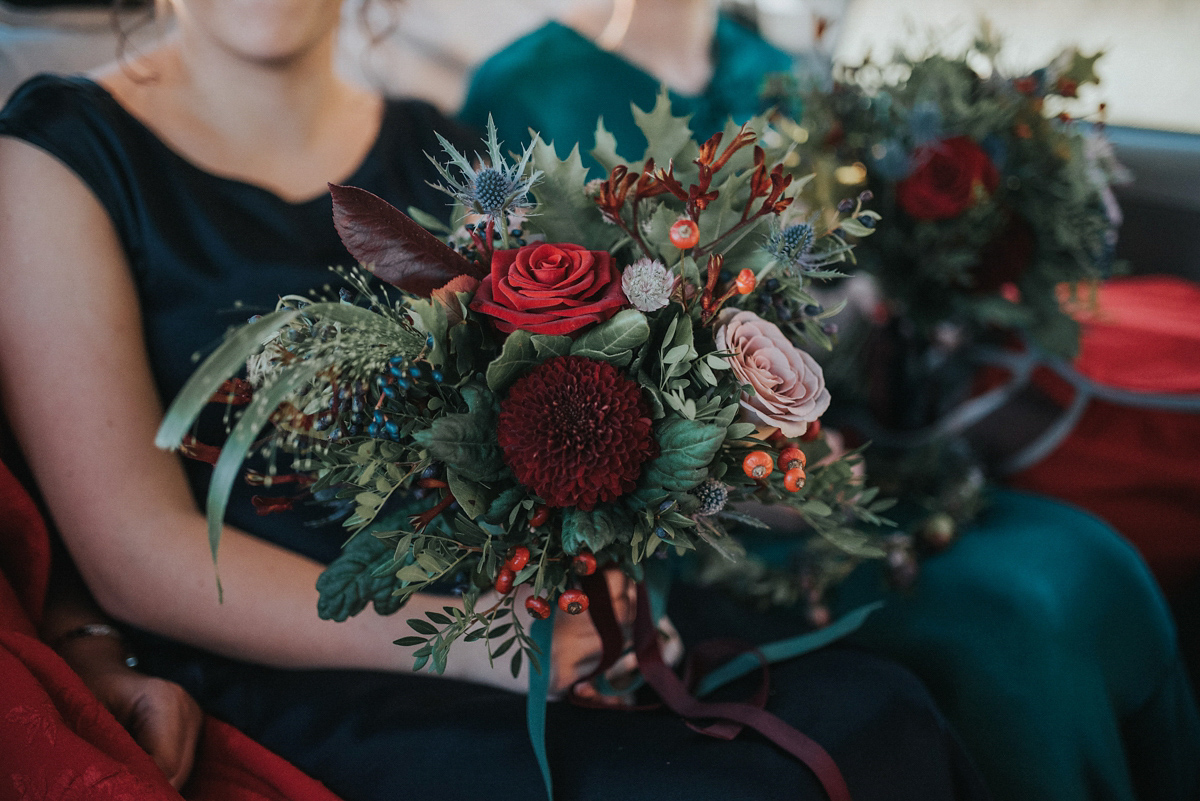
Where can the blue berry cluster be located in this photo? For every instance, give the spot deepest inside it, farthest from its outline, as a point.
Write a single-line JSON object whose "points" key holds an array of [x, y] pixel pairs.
{"points": [[347, 411]]}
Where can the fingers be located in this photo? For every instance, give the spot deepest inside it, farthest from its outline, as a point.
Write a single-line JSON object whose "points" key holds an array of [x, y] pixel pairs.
{"points": [[669, 641], [166, 721], [623, 592]]}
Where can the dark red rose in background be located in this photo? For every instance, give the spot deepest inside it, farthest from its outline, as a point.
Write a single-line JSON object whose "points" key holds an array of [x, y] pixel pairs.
{"points": [[1006, 258], [951, 176], [550, 289], [576, 432]]}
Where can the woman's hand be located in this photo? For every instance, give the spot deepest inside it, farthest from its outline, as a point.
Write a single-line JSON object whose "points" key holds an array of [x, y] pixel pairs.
{"points": [[578, 648], [162, 717]]}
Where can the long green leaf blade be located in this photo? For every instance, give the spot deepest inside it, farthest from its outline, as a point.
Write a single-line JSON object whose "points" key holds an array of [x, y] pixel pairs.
{"points": [[233, 453], [224, 362]]}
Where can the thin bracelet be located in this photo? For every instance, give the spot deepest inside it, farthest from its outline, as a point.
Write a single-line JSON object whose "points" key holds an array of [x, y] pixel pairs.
{"points": [[93, 630]]}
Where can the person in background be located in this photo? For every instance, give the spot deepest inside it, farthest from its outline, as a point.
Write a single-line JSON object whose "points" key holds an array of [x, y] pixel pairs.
{"points": [[1041, 633], [143, 210], [597, 62]]}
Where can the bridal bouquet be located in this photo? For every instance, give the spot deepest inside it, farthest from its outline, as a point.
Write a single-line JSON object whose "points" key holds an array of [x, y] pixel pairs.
{"points": [[997, 214], [993, 194], [572, 377]]}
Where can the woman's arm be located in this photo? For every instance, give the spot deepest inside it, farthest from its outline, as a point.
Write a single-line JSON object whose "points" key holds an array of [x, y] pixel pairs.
{"points": [[75, 381]]}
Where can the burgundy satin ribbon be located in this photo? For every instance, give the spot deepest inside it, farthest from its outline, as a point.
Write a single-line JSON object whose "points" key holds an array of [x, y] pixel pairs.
{"points": [[707, 657], [612, 640], [677, 698]]}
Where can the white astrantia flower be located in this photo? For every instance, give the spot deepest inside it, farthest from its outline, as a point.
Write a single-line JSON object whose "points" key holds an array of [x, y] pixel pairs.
{"points": [[648, 284]]}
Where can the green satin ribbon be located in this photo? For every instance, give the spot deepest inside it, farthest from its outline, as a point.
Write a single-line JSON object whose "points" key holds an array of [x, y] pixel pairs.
{"points": [[542, 634], [788, 648]]}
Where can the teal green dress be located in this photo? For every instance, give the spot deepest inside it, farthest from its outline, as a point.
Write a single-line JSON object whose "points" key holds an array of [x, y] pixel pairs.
{"points": [[558, 83], [1041, 633]]}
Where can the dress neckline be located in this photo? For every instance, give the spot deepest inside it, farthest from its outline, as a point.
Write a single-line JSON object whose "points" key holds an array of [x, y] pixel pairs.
{"points": [[317, 200], [708, 89]]}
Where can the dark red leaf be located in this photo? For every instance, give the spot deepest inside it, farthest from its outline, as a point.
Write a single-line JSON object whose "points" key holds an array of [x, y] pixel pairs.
{"points": [[392, 246]]}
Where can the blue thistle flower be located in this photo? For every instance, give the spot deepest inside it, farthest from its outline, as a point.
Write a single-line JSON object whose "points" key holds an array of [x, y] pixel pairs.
{"points": [[791, 243], [796, 248], [492, 190]]}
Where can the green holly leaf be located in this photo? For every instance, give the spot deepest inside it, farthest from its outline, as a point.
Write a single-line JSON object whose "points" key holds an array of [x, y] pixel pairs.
{"points": [[1082, 69], [592, 530], [666, 134], [350, 582], [613, 341], [467, 442], [565, 212], [605, 151]]}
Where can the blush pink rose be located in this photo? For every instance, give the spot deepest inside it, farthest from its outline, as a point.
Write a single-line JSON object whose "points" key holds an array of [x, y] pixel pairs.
{"points": [[789, 387]]}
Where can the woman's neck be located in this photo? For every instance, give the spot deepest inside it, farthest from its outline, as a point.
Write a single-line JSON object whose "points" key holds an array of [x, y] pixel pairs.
{"points": [[288, 126], [669, 39]]}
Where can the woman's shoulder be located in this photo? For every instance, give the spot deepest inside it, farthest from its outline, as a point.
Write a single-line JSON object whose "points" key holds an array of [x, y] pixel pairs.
{"points": [[49, 100], [74, 119], [541, 52]]}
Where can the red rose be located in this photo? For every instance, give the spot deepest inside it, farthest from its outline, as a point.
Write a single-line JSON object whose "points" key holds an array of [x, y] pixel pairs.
{"points": [[550, 289], [953, 175]]}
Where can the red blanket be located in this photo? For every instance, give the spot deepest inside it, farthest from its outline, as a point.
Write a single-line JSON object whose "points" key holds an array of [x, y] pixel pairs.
{"points": [[1138, 469], [58, 742]]}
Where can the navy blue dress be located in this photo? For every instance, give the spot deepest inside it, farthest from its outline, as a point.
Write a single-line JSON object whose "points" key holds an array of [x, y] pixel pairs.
{"points": [[207, 252]]}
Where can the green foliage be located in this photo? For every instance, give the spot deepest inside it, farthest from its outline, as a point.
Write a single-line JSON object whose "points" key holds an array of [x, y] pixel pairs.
{"points": [[686, 448], [565, 212], [668, 137], [594, 530], [467, 442], [614, 340], [517, 358], [358, 577]]}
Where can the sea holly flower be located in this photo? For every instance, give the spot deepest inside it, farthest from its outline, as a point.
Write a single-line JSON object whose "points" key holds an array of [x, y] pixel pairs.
{"points": [[493, 190], [790, 245], [796, 248], [789, 386], [648, 284]]}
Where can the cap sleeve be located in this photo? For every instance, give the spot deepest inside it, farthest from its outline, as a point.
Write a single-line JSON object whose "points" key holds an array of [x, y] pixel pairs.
{"points": [[77, 122]]}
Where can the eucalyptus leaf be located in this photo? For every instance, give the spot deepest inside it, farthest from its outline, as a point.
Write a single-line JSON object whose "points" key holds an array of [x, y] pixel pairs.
{"points": [[614, 340], [518, 356]]}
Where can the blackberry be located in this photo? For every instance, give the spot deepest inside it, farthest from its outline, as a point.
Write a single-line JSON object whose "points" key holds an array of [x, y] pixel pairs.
{"points": [[713, 496]]}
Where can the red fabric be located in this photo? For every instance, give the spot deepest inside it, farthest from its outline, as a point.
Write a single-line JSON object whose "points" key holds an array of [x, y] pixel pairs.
{"points": [[1138, 469], [58, 742]]}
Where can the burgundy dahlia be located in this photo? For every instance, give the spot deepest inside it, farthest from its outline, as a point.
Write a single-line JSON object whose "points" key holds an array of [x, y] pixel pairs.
{"points": [[576, 432]]}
